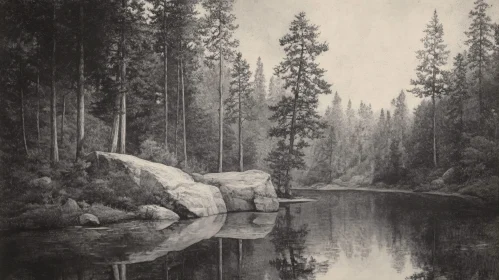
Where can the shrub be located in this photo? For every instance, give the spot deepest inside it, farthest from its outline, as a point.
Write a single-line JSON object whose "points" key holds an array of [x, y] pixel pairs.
{"points": [[151, 150], [480, 158]]}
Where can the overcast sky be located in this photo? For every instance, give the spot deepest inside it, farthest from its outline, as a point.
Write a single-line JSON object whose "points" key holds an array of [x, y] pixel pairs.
{"points": [[372, 43]]}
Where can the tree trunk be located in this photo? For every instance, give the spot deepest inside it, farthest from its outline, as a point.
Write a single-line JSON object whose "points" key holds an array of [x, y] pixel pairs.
{"points": [[165, 75], [177, 109], [80, 113], [54, 149], [63, 116], [435, 162], [293, 121], [122, 137], [183, 111], [38, 108], [220, 116], [240, 130], [480, 102], [23, 125], [116, 125]]}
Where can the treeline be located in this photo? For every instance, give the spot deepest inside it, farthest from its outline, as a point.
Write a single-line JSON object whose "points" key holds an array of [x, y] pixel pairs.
{"points": [[141, 77], [455, 127], [156, 79]]}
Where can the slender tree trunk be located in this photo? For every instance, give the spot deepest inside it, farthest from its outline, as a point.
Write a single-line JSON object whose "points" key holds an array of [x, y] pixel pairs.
{"points": [[177, 109], [116, 125], [220, 116], [293, 120], [80, 114], [54, 149], [63, 116], [116, 120], [23, 125], [183, 111], [165, 75], [38, 108], [116, 272], [122, 271], [435, 162], [480, 101], [240, 130], [122, 145]]}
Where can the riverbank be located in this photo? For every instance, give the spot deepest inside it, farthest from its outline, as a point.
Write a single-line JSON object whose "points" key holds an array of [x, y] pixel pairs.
{"points": [[110, 188], [485, 194]]}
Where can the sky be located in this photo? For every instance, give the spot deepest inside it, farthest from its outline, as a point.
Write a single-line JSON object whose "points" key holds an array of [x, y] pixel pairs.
{"points": [[372, 43]]}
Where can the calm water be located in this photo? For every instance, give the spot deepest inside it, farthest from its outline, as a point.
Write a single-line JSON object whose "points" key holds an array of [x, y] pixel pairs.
{"points": [[345, 235]]}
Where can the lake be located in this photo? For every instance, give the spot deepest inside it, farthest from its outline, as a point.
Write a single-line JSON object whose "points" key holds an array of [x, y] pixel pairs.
{"points": [[344, 235]]}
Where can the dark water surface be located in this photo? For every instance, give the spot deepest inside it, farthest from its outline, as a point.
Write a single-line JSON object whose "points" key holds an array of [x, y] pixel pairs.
{"points": [[345, 235]]}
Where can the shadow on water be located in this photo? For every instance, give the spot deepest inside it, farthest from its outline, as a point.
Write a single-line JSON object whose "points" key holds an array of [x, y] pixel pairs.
{"points": [[344, 235]]}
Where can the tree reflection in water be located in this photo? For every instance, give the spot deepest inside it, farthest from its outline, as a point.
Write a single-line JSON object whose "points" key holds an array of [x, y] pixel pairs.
{"points": [[289, 247]]}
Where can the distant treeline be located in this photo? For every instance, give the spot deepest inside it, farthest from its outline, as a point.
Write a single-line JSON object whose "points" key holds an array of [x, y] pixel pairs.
{"points": [[456, 126]]}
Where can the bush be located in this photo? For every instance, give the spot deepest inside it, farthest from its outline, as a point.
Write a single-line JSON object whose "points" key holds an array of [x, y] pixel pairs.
{"points": [[480, 158], [152, 151]]}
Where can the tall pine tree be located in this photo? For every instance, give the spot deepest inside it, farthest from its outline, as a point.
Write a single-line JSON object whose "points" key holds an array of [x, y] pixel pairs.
{"points": [[239, 104], [431, 80], [217, 28], [296, 116], [480, 47]]}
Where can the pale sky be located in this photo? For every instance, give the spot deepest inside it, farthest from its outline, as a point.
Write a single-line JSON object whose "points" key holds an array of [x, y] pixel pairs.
{"points": [[372, 43]]}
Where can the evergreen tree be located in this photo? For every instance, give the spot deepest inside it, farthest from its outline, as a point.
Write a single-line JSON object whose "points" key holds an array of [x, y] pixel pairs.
{"points": [[480, 47], [239, 104], [260, 87], [218, 27], [297, 116], [431, 78], [400, 124]]}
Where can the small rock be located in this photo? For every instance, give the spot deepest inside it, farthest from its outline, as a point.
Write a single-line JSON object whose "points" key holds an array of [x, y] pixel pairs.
{"points": [[357, 180], [438, 182], [83, 204], [449, 175], [89, 220], [42, 182], [197, 177], [155, 212], [70, 206]]}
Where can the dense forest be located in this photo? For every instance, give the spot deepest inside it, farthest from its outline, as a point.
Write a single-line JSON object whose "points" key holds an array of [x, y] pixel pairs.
{"points": [[165, 81]]}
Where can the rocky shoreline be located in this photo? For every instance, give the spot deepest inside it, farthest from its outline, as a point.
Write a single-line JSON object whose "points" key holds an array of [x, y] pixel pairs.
{"points": [[155, 191]]}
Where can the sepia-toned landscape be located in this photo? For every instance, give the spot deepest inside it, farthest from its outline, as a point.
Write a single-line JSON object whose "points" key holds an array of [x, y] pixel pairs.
{"points": [[249, 139]]}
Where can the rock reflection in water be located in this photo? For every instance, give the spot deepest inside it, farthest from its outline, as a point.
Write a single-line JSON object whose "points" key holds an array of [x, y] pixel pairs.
{"points": [[344, 235]]}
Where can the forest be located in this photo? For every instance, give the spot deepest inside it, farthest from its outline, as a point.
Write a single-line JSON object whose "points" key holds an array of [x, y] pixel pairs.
{"points": [[164, 80]]}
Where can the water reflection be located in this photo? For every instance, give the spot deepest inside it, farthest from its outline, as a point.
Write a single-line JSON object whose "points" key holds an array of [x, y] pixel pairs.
{"points": [[289, 247], [345, 235]]}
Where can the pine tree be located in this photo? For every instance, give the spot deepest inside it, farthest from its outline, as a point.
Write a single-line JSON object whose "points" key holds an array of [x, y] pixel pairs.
{"points": [[259, 81], [217, 28], [54, 149], [431, 78], [80, 130], [480, 47], [296, 116], [239, 104], [400, 125]]}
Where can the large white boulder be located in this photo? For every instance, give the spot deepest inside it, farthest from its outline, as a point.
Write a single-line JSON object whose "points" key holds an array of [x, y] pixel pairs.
{"points": [[245, 191], [177, 190]]}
